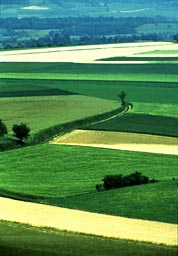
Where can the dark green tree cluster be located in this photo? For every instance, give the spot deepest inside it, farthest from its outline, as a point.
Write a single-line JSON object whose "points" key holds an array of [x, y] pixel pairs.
{"points": [[119, 181], [21, 131]]}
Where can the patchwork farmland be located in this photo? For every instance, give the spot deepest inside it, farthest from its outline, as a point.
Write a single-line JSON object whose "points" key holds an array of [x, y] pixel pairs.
{"points": [[48, 95]]}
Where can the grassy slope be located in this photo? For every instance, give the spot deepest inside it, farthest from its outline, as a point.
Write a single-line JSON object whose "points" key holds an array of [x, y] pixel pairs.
{"points": [[50, 110], [32, 176], [64, 175], [120, 202], [33, 241]]}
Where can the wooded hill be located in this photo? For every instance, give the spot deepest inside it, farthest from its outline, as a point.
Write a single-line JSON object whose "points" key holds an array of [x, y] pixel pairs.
{"points": [[115, 8]]}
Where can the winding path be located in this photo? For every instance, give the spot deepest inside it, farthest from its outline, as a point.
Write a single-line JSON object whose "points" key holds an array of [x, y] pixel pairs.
{"points": [[88, 223]]}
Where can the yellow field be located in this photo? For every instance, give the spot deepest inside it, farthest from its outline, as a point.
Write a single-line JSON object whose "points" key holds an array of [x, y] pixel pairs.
{"points": [[86, 222], [121, 140]]}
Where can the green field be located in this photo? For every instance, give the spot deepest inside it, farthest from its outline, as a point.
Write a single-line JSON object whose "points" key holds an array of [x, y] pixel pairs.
{"points": [[44, 95], [119, 202], [34, 241], [159, 72], [140, 123], [156, 92], [55, 91], [51, 110], [68, 172], [106, 77]]}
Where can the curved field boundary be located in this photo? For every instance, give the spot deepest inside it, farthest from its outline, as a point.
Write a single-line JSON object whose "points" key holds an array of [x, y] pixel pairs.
{"points": [[88, 223], [68, 127], [61, 129], [120, 141]]}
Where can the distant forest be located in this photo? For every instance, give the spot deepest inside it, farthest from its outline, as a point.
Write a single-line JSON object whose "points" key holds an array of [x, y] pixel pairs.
{"points": [[21, 33]]}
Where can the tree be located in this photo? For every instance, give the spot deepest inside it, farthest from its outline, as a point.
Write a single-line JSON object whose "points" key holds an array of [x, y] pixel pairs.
{"points": [[3, 128], [21, 131], [122, 96]]}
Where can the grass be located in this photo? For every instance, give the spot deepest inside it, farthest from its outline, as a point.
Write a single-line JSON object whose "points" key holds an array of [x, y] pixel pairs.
{"points": [[66, 175], [33, 241], [50, 110]]}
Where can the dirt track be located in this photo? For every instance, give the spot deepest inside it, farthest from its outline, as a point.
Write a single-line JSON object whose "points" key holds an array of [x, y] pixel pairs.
{"points": [[121, 141], [89, 223]]}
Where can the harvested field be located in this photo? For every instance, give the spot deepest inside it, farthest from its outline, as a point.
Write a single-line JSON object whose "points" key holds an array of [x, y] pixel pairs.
{"points": [[121, 140], [88, 223], [83, 54]]}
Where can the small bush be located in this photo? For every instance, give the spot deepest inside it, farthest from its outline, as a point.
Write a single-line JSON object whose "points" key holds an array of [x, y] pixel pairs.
{"points": [[3, 128], [99, 187], [119, 181]]}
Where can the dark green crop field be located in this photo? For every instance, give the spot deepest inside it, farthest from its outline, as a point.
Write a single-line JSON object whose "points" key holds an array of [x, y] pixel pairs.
{"points": [[140, 91], [75, 68], [140, 123]]}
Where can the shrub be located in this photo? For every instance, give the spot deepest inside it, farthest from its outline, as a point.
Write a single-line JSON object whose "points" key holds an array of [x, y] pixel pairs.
{"points": [[118, 181], [3, 128], [99, 187]]}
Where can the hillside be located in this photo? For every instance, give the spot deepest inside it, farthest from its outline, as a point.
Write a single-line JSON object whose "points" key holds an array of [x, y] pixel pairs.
{"points": [[116, 8]]}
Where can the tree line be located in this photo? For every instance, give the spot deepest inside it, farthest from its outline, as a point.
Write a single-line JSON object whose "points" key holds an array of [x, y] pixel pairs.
{"points": [[57, 39], [77, 31]]}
